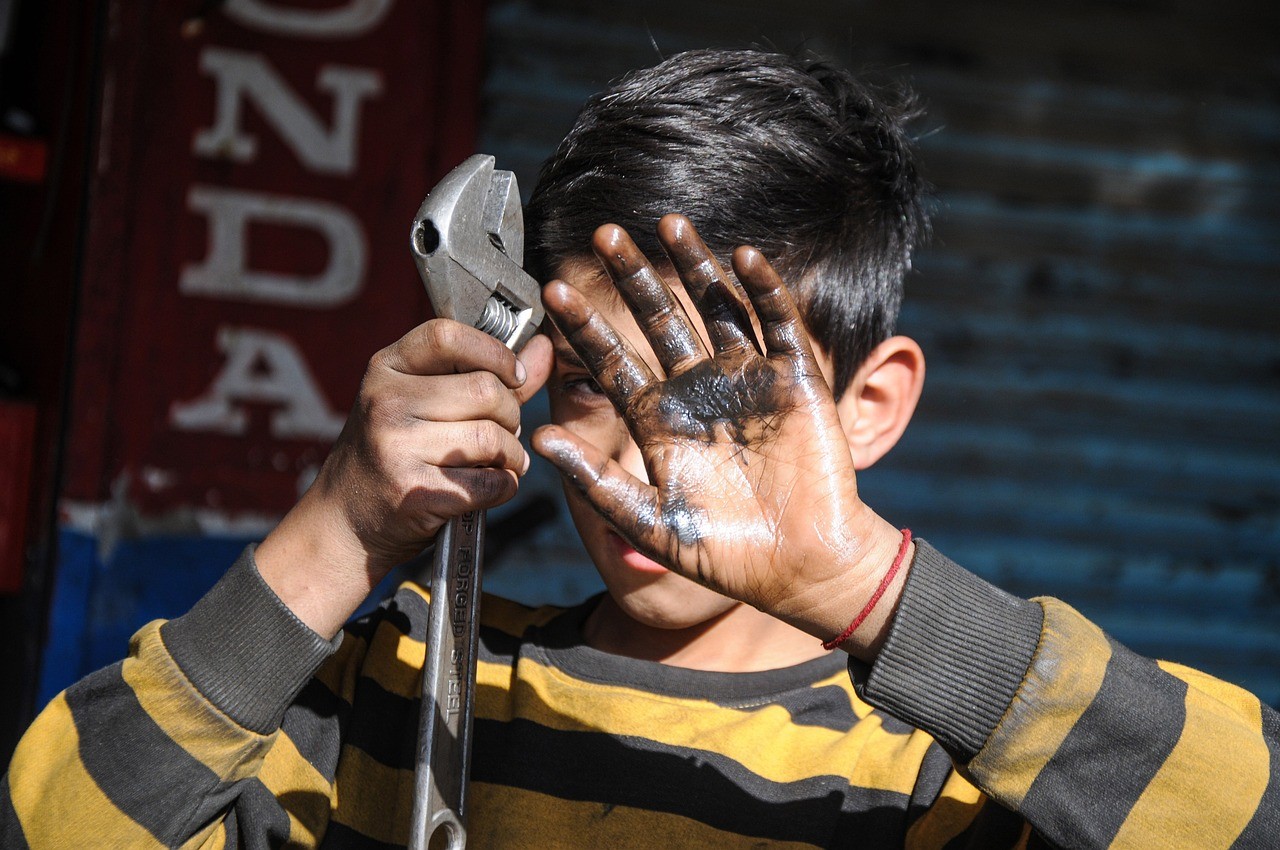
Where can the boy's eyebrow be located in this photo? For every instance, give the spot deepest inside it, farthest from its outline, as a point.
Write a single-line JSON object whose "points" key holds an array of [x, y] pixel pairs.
{"points": [[566, 355]]}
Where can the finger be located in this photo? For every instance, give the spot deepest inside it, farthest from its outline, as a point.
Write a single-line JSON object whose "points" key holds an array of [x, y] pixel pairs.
{"points": [[465, 445], [460, 398], [443, 346], [453, 492], [538, 359], [780, 325], [720, 300], [610, 359], [629, 504], [661, 317]]}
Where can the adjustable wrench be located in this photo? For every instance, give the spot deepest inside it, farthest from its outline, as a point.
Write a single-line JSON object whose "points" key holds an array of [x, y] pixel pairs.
{"points": [[468, 244]]}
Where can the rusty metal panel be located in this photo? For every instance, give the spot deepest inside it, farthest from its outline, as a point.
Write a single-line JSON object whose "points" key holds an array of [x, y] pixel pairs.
{"points": [[1100, 304]]}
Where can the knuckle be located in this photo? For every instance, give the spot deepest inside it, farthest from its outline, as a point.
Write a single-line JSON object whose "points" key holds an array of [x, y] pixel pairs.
{"points": [[487, 440], [440, 334], [485, 389]]}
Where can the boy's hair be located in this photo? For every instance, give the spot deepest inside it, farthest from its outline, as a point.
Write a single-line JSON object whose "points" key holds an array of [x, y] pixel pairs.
{"points": [[789, 154]]}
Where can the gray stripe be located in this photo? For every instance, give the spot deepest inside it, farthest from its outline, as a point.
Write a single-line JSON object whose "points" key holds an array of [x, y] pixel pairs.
{"points": [[261, 822], [144, 773], [1087, 789], [1263, 830], [10, 829]]}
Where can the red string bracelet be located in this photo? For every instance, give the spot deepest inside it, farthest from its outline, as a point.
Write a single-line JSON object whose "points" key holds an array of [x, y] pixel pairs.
{"points": [[875, 597]]}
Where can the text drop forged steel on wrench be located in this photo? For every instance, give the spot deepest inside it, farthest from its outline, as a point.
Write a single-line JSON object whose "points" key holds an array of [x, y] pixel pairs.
{"points": [[468, 244]]}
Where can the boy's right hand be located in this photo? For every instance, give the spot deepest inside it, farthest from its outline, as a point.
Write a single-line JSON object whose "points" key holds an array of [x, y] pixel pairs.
{"points": [[432, 435]]}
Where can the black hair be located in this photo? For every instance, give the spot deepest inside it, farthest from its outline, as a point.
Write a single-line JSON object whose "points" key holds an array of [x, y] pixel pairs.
{"points": [[790, 154]]}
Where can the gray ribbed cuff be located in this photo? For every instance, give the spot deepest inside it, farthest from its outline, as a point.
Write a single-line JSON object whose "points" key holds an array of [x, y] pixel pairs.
{"points": [[244, 650], [955, 656]]}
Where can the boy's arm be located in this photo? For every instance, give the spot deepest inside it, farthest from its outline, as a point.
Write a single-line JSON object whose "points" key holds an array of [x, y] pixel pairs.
{"points": [[181, 742], [154, 750], [1094, 745], [751, 491]]}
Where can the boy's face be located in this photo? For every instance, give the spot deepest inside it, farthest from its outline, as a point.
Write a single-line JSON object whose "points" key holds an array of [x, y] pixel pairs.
{"points": [[644, 589]]}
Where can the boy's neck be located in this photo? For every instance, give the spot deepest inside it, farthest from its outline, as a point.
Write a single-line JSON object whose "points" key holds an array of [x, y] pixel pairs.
{"points": [[741, 640]]}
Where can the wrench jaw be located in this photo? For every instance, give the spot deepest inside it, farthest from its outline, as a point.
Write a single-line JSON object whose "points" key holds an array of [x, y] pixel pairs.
{"points": [[468, 245]]}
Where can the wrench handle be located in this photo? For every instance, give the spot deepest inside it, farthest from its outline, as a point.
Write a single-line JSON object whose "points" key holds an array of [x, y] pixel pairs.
{"points": [[448, 687]]}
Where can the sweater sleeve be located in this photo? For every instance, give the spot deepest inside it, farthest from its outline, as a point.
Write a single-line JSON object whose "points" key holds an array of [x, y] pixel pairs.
{"points": [[180, 743], [1094, 745]]}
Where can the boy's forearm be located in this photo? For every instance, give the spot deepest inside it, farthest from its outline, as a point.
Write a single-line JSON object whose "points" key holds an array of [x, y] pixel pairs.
{"points": [[154, 748], [1090, 742]]}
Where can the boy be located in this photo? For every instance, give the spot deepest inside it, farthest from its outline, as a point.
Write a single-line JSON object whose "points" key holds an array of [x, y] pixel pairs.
{"points": [[709, 439]]}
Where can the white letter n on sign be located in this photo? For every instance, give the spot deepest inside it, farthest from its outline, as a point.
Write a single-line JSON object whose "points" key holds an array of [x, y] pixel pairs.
{"points": [[262, 368], [248, 76]]}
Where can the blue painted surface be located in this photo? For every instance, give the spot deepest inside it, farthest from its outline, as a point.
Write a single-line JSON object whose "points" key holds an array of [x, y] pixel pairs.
{"points": [[98, 604]]}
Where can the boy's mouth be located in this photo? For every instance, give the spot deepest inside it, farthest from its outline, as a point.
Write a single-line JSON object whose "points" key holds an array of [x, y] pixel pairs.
{"points": [[633, 559]]}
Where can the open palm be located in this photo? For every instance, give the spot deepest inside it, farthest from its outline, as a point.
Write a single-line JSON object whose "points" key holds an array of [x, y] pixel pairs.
{"points": [[752, 487]]}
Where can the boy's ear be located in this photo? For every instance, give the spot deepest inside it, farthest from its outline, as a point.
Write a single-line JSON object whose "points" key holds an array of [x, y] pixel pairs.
{"points": [[881, 398]]}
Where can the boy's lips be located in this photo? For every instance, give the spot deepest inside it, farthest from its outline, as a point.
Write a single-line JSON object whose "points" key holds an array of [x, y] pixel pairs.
{"points": [[632, 558]]}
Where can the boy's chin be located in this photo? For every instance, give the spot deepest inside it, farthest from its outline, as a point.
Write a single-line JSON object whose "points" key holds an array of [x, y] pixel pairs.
{"points": [[671, 603]]}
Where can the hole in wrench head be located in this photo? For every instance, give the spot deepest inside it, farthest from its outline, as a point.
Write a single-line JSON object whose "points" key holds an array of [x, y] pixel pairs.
{"points": [[426, 239], [445, 837]]}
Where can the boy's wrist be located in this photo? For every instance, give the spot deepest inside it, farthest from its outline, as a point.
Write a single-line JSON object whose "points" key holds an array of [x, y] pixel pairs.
{"points": [[826, 609], [315, 563], [243, 650]]}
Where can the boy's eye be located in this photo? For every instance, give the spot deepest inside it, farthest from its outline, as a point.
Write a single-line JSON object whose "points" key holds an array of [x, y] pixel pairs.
{"points": [[581, 384]]}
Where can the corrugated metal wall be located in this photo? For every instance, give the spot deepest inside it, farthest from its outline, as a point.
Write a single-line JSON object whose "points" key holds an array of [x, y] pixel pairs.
{"points": [[1099, 304]]}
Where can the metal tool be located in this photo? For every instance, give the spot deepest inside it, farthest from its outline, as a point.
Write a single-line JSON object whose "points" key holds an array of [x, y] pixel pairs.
{"points": [[468, 244]]}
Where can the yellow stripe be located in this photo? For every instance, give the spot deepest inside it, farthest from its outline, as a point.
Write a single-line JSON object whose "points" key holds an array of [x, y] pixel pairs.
{"points": [[300, 790], [1209, 787], [764, 740], [1241, 702], [211, 837], [516, 819], [1063, 681], [371, 798], [957, 805], [395, 661], [191, 721], [513, 618], [57, 802]]}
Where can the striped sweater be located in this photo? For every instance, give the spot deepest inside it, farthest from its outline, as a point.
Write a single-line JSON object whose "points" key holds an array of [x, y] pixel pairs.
{"points": [[235, 726]]}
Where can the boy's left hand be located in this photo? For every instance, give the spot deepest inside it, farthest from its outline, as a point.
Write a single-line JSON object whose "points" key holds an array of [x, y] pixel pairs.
{"points": [[753, 491]]}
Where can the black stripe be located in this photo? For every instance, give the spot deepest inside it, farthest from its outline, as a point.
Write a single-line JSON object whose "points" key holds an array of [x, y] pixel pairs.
{"points": [[342, 837], [498, 647], [385, 727], [10, 829], [827, 707], [1085, 792], [1264, 828], [935, 768], [263, 815], [703, 786], [142, 770], [993, 826], [893, 725], [315, 724]]}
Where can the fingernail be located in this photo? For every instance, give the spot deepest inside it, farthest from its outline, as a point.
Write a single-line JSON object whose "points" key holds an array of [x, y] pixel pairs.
{"points": [[527, 461], [521, 373]]}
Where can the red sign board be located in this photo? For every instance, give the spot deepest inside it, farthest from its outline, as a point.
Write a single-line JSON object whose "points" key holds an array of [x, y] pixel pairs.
{"points": [[257, 172]]}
